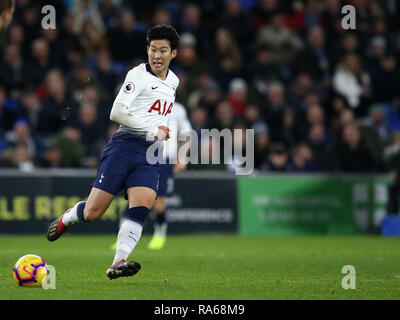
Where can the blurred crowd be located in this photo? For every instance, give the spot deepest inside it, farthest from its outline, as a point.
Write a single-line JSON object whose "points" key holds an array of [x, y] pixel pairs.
{"points": [[319, 98]]}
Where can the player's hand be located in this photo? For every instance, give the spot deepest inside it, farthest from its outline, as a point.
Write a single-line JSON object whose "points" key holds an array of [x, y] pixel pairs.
{"points": [[179, 166], [162, 133]]}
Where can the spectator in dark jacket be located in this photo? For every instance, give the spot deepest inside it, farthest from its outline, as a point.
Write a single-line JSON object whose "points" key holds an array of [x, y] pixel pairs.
{"points": [[354, 156], [303, 159], [322, 148], [128, 40], [57, 108], [274, 108], [277, 159], [385, 79], [315, 58], [14, 71]]}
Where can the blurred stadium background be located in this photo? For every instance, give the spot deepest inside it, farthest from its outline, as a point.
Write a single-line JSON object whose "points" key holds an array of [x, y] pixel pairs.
{"points": [[323, 102]]}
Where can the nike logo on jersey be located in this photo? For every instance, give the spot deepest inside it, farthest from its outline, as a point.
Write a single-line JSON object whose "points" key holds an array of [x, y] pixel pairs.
{"points": [[152, 88]]}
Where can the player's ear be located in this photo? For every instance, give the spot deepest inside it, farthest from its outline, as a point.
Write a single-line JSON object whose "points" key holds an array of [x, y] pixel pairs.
{"points": [[174, 53], [147, 49]]}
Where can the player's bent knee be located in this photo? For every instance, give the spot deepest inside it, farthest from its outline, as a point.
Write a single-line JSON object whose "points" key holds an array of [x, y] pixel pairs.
{"points": [[92, 213], [96, 204]]}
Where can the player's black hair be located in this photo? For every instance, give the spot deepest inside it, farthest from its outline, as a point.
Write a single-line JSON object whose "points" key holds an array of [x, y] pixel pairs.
{"points": [[6, 4], [164, 32]]}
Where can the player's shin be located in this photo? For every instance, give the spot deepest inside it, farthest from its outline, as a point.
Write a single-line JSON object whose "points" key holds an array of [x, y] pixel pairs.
{"points": [[130, 231]]}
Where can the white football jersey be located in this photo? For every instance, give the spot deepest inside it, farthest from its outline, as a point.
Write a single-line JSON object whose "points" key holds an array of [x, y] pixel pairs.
{"points": [[178, 123], [149, 99]]}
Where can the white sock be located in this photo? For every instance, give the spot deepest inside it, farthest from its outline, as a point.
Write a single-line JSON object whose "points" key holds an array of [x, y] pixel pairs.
{"points": [[71, 217], [162, 230], [128, 236], [156, 230]]}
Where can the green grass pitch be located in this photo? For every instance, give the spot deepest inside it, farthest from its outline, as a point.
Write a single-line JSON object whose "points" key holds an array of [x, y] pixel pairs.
{"points": [[217, 267]]}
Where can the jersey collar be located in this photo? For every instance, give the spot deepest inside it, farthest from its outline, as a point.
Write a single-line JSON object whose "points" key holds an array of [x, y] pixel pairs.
{"points": [[149, 70]]}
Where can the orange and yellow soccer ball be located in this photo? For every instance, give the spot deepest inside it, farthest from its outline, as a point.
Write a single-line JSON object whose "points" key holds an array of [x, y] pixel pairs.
{"points": [[30, 271]]}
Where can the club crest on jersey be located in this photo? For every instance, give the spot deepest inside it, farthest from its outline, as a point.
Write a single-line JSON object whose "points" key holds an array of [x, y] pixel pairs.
{"points": [[129, 87], [162, 108]]}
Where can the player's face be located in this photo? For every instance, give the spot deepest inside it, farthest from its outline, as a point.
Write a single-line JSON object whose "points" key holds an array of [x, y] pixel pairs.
{"points": [[160, 55]]}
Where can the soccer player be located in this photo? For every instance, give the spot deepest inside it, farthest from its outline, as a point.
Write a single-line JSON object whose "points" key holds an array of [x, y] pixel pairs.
{"points": [[6, 14], [142, 108]]}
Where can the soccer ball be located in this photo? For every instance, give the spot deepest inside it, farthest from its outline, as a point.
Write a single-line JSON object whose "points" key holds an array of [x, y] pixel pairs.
{"points": [[30, 271]]}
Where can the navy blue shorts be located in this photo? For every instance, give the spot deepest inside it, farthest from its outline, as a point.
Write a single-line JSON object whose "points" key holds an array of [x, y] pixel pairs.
{"points": [[166, 187], [121, 169]]}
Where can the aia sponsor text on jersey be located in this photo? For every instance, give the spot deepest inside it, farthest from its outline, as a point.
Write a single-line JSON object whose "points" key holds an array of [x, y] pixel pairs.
{"points": [[161, 107]]}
